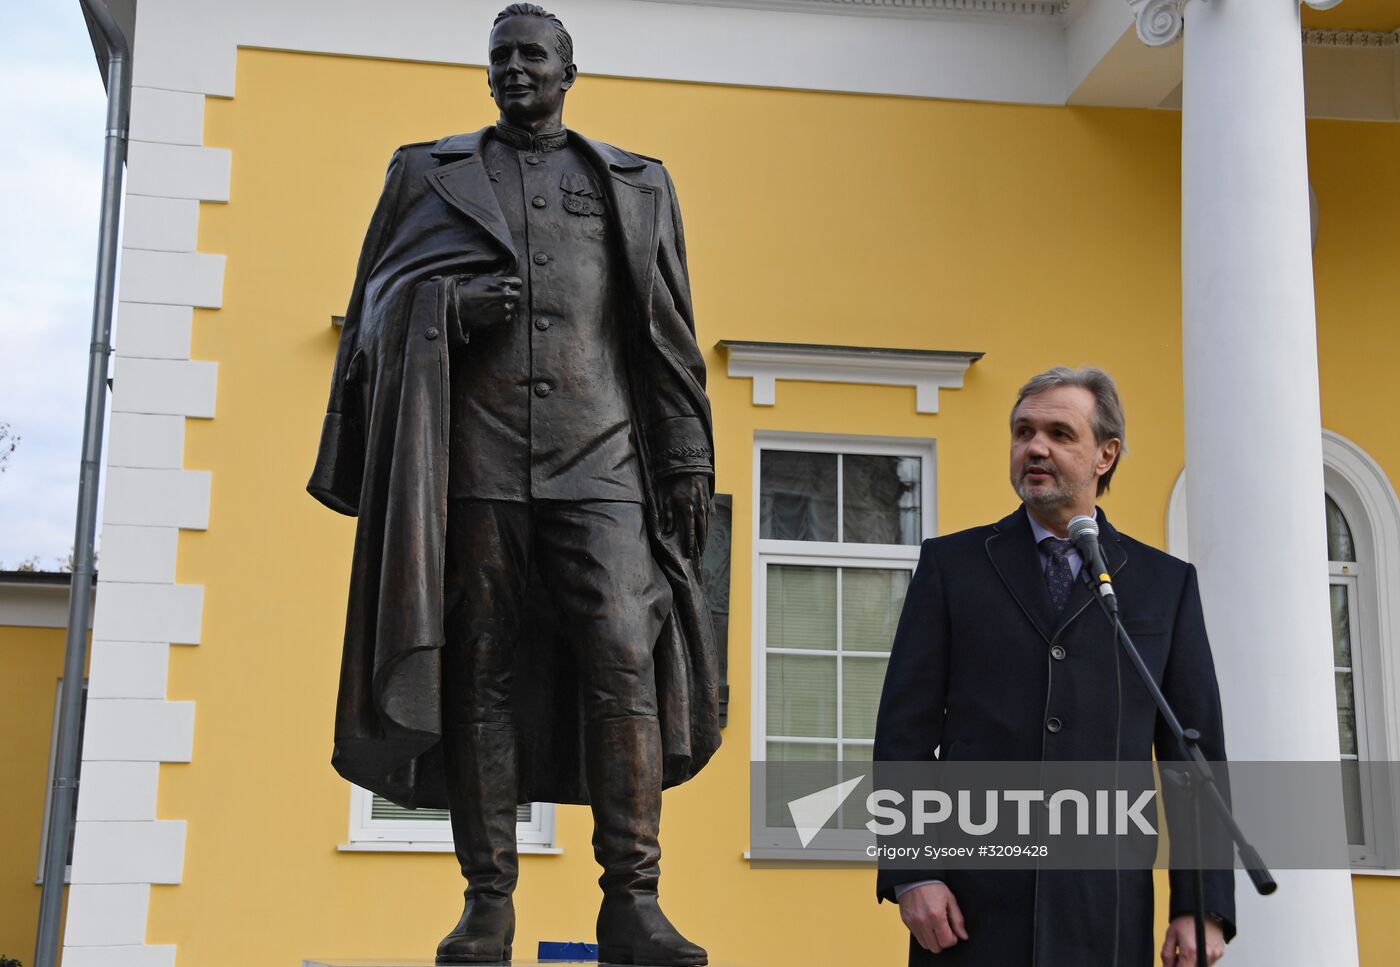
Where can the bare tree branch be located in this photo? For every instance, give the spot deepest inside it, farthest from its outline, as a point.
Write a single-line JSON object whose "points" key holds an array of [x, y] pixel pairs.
{"points": [[8, 442]]}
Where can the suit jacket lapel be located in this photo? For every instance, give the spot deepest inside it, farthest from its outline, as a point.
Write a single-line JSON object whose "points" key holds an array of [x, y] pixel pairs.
{"points": [[463, 184], [1013, 554], [634, 205]]}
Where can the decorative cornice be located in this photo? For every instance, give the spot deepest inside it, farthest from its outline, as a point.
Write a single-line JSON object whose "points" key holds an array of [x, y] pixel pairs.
{"points": [[926, 370], [1037, 9], [1351, 38], [1158, 21]]}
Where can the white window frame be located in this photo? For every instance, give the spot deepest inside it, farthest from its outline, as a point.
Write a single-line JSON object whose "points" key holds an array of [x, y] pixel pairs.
{"points": [[368, 834], [824, 554], [1346, 574], [1374, 691]]}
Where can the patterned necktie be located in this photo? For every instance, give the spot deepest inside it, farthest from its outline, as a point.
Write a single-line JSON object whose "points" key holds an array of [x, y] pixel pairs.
{"points": [[1058, 576]]}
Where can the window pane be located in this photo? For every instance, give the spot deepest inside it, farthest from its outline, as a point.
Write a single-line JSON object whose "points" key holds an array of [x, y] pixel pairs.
{"points": [[1339, 543], [801, 607], [1351, 802], [871, 600], [1346, 713], [797, 496], [862, 679], [802, 695], [801, 752], [382, 809], [880, 499], [853, 814], [1341, 627], [790, 787]]}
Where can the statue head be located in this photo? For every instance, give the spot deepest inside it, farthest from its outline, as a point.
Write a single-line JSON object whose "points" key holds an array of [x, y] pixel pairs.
{"points": [[530, 66]]}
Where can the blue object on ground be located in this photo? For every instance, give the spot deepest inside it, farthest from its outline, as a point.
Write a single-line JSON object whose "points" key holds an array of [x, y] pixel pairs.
{"points": [[566, 951]]}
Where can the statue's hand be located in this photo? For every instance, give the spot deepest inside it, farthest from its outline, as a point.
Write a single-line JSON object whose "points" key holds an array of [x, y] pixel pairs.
{"points": [[685, 509], [486, 300]]}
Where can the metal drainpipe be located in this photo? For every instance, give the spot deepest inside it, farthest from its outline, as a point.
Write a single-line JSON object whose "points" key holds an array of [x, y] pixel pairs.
{"points": [[65, 782]]}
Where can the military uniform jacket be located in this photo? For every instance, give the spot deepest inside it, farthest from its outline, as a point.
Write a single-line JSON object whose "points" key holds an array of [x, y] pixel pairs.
{"points": [[982, 669], [384, 457], [540, 406]]}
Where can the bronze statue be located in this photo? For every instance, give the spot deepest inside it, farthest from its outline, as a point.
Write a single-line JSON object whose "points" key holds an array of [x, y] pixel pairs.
{"points": [[518, 418]]}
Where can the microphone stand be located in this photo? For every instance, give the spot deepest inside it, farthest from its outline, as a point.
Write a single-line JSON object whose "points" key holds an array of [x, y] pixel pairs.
{"points": [[1198, 780]]}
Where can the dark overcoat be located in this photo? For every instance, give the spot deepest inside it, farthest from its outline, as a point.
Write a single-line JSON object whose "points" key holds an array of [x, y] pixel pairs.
{"points": [[972, 677], [384, 458]]}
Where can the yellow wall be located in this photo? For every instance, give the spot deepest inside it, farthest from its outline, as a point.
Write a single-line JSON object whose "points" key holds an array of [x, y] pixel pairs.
{"points": [[1036, 235], [31, 662], [1377, 900], [1355, 177], [1354, 173]]}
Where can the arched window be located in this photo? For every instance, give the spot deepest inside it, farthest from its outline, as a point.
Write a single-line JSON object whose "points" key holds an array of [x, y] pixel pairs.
{"points": [[1348, 668]]}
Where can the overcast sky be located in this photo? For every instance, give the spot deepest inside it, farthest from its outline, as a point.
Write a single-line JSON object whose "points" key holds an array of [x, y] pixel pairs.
{"points": [[52, 114]]}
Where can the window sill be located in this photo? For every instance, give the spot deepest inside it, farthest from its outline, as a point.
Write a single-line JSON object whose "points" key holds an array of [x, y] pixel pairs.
{"points": [[850, 857], [429, 846]]}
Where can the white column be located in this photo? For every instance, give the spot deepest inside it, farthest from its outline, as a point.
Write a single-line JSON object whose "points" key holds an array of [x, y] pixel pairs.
{"points": [[1253, 453]]}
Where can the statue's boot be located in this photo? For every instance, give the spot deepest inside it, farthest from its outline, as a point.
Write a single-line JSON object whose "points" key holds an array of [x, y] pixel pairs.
{"points": [[481, 789], [624, 784]]}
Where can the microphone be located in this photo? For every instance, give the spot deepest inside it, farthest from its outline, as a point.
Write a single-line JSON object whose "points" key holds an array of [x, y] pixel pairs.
{"points": [[1084, 535]]}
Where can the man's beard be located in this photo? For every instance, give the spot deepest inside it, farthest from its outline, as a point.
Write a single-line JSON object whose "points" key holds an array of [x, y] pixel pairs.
{"points": [[1062, 493]]}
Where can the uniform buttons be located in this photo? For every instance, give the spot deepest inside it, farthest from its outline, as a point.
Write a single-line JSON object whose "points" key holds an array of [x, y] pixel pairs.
{"points": [[541, 324], [542, 388], [538, 201], [1058, 653], [541, 258], [431, 334], [1053, 724], [531, 159]]}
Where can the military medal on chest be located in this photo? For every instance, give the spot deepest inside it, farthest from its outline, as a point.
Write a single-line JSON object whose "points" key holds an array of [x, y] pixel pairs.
{"points": [[581, 194]]}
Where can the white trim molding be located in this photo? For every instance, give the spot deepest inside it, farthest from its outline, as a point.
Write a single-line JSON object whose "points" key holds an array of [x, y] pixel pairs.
{"points": [[1001, 10], [980, 50], [34, 600], [1160, 22], [926, 370]]}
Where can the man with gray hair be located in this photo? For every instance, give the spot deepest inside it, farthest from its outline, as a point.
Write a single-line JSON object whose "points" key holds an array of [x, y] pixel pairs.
{"points": [[1000, 656]]}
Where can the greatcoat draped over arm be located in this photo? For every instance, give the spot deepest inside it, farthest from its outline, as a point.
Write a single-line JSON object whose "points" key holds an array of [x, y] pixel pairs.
{"points": [[384, 458]]}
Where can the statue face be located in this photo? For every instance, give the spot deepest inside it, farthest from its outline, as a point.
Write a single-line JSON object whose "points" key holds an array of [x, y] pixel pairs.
{"points": [[527, 78]]}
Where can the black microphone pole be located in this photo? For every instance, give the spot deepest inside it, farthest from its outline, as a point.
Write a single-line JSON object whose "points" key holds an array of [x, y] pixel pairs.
{"points": [[1198, 779]]}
